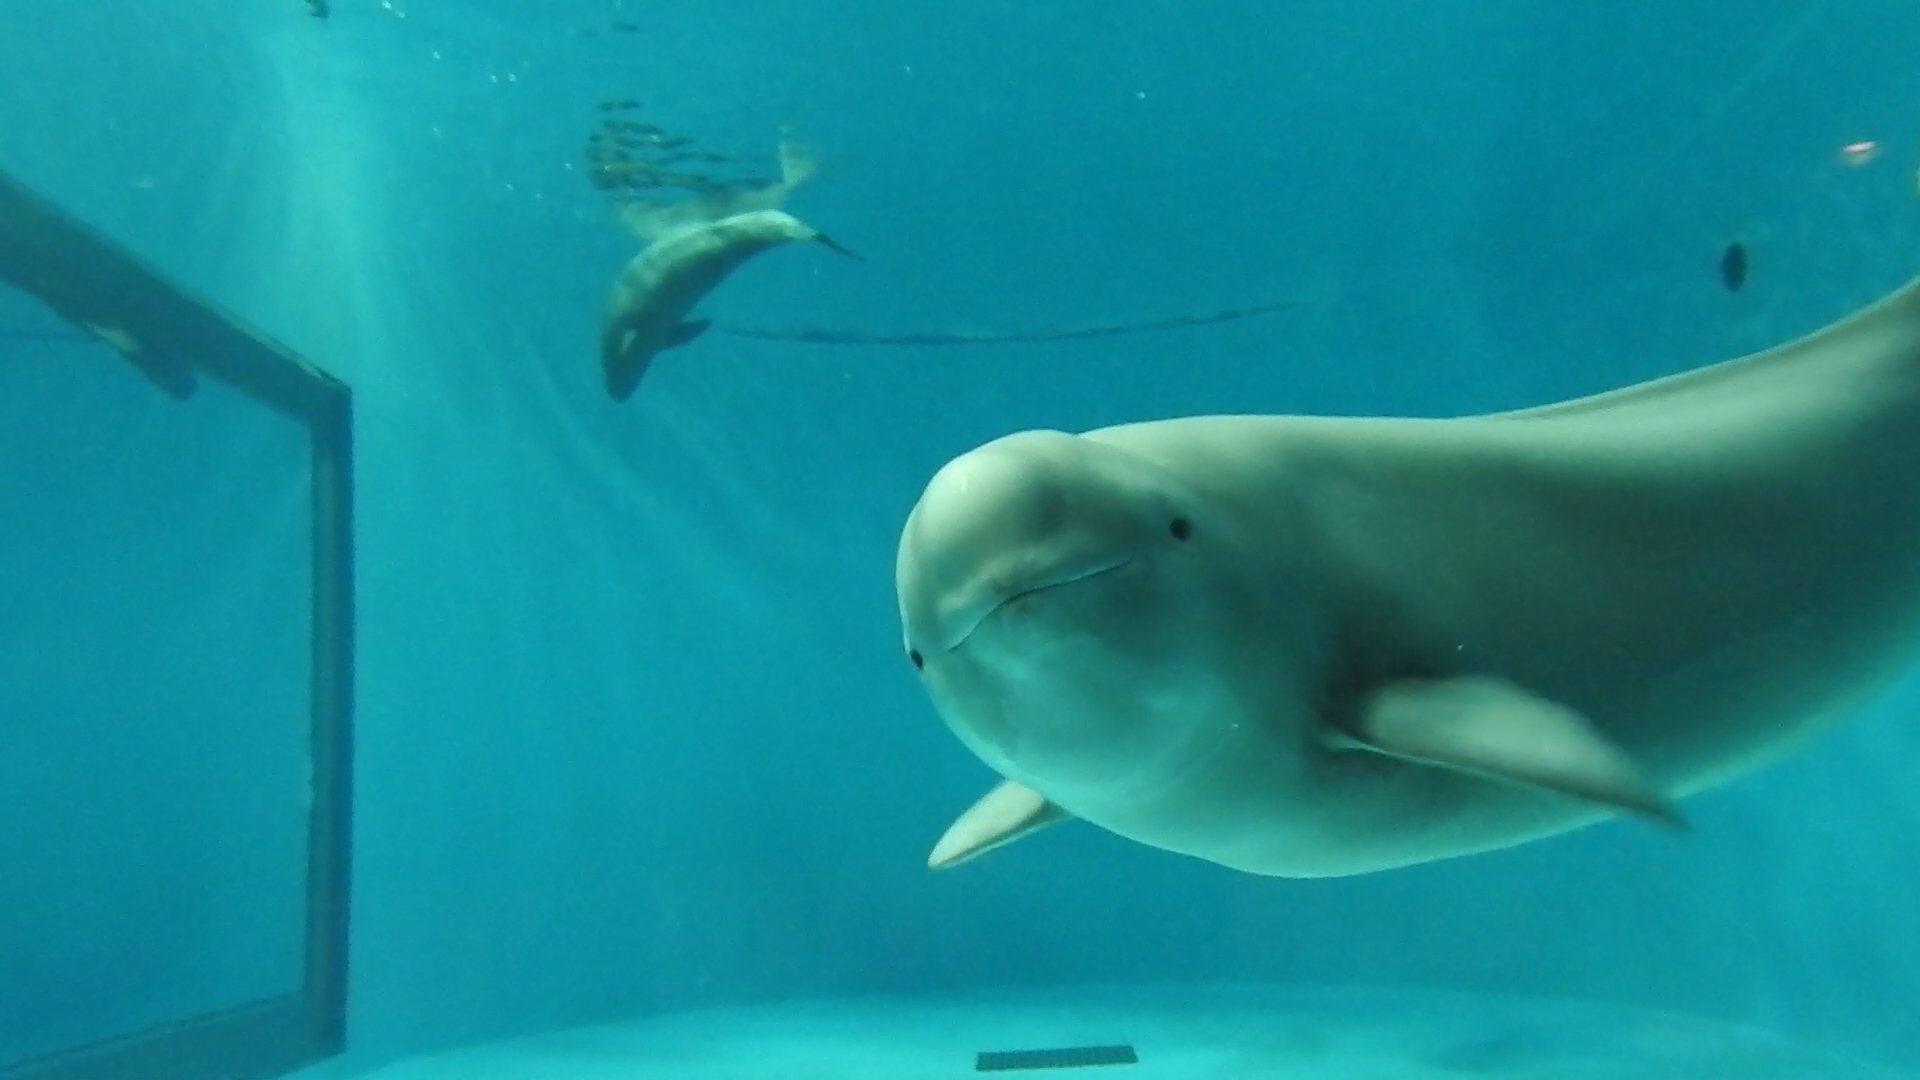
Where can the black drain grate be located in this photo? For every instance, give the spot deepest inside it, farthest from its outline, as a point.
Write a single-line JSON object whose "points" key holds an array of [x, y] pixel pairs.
{"points": [[1065, 1057]]}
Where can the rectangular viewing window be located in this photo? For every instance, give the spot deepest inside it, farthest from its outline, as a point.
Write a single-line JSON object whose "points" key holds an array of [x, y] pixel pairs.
{"points": [[175, 676]]}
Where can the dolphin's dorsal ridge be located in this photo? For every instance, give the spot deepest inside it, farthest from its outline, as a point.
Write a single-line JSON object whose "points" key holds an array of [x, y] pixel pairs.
{"points": [[1003, 815], [1491, 727]]}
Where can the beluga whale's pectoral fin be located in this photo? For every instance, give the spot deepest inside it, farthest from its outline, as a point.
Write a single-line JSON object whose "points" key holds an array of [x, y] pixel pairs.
{"points": [[1003, 815], [1490, 727]]}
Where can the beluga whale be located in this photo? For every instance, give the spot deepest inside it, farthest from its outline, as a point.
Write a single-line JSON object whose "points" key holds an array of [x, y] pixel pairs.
{"points": [[692, 246], [1313, 646]]}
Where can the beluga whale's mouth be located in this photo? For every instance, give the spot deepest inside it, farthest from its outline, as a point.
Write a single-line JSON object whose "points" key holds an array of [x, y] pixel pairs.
{"points": [[1031, 591]]}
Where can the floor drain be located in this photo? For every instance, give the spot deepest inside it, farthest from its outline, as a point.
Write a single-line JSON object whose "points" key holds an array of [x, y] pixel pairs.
{"points": [[1065, 1057]]}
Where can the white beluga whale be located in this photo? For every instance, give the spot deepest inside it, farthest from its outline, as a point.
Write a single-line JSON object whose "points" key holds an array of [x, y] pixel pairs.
{"points": [[1319, 646], [691, 248]]}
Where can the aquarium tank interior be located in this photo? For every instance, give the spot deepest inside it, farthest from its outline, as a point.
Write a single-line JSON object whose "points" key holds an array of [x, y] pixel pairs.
{"points": [[871, 541]]}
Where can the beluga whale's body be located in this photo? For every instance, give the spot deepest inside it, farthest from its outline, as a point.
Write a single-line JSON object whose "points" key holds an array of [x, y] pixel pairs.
{"points": [[1317, 646]]}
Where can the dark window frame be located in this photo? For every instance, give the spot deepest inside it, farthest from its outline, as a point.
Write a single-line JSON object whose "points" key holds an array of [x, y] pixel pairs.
{"points": [[175, 338]]}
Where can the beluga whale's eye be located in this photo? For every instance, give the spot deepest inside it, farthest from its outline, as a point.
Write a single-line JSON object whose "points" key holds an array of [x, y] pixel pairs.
{"points": [[1180, 527], [913, 657]]}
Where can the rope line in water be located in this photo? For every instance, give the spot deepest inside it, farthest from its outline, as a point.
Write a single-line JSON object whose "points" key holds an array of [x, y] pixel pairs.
{"points": [[812, 335]]}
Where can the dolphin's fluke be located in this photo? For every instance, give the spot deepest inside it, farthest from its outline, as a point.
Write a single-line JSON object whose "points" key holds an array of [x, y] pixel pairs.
{"points": [[1491, 727], [797, 165], [835, 245], [653, 221]]}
